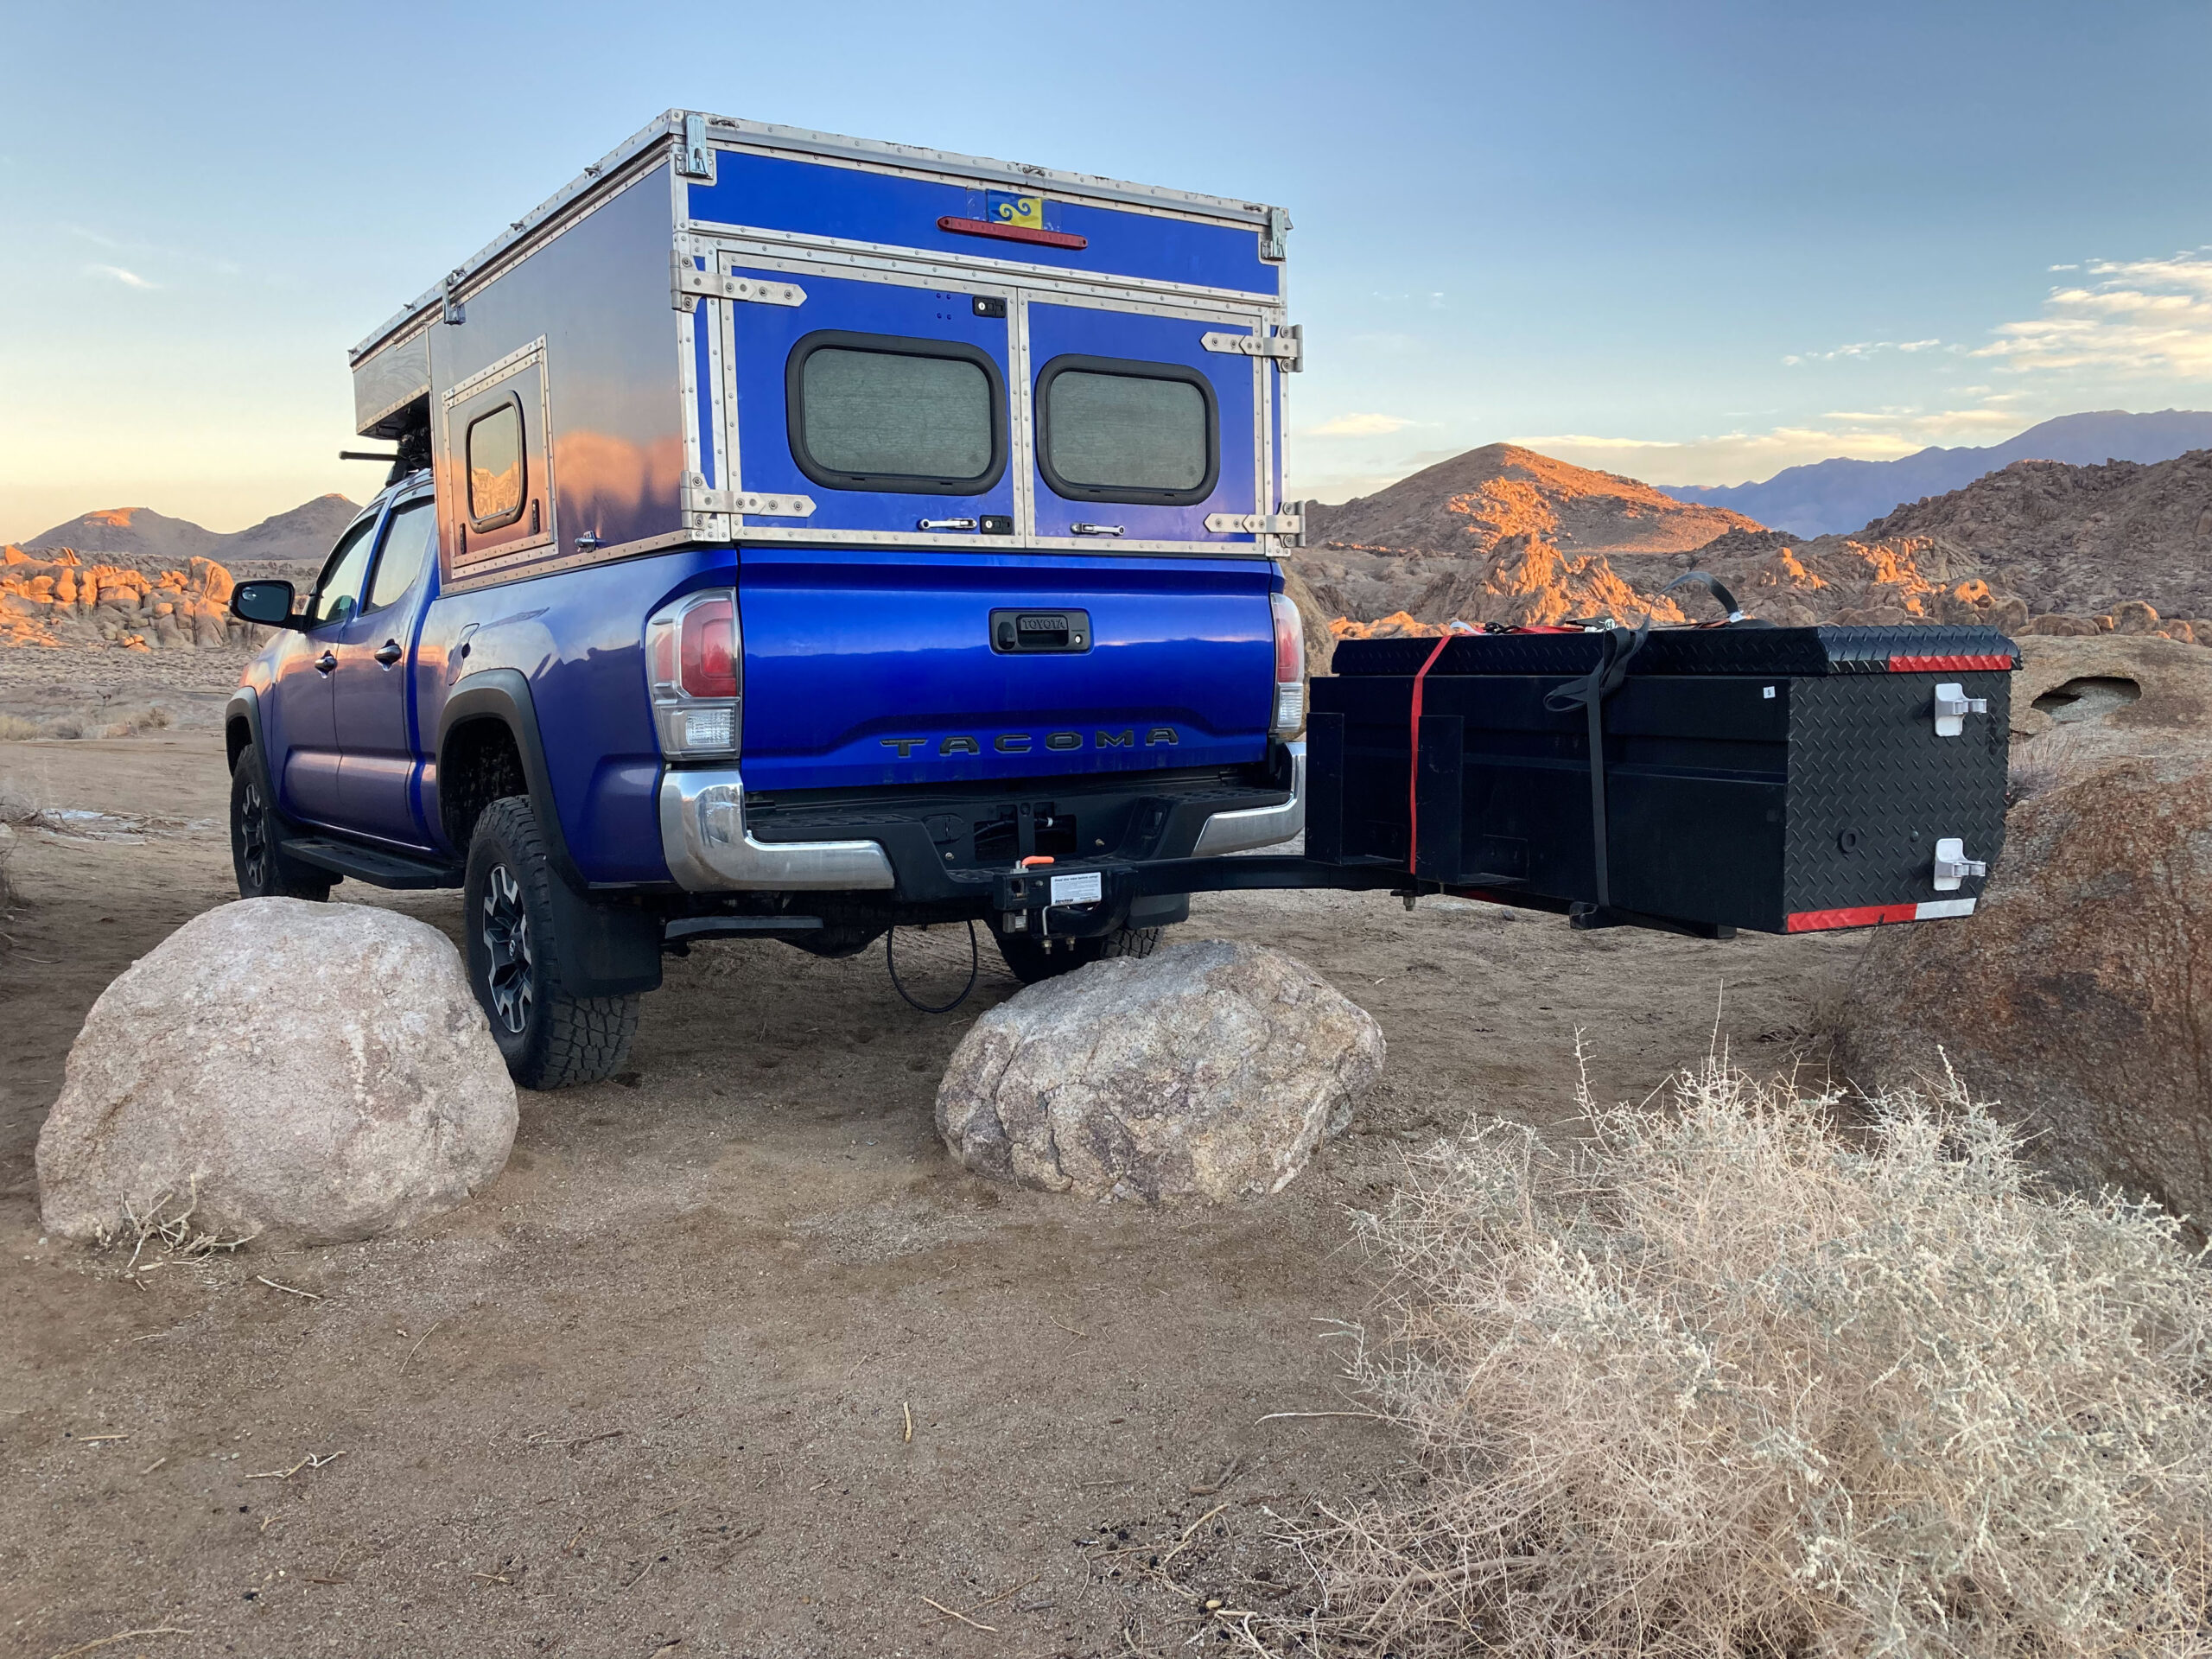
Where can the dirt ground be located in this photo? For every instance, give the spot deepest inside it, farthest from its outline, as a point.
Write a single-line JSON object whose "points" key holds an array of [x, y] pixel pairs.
{"points": [[650, 1394]]}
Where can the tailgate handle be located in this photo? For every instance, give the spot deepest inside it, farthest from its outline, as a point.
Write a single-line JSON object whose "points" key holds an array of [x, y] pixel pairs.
{"points": [[1026, 633]]}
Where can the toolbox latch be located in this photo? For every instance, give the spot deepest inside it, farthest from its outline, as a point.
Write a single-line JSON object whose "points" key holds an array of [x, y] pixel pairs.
{"points": [[1951, 707], [1952, 866]]}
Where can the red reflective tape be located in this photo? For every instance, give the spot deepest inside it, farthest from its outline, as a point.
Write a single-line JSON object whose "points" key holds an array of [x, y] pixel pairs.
{"points": [[1012, 233], [1946, 665], [1813, 921]]}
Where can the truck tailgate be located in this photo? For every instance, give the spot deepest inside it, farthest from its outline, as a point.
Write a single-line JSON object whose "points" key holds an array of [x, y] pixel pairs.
{"points": [[867, 667]]}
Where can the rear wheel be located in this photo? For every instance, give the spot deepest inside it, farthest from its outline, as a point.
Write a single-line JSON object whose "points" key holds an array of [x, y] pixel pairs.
{"points": [[1032, 959], [264, 869], [516, 960]]}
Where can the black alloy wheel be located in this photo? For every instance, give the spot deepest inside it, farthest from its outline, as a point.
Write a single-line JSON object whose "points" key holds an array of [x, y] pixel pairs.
{"points": [[509, 980], [258, 856], [517, 959]]}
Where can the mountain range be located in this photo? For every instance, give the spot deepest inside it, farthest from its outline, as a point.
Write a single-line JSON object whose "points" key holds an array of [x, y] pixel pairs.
{"points": [[1831, 497], [141, 536], [1505, 534]]}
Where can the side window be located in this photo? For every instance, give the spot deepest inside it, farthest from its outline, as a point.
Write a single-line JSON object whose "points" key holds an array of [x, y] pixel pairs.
{"points": [[337, 591], [409, 536], [887, 413], [1111, 430], [492, 454]]}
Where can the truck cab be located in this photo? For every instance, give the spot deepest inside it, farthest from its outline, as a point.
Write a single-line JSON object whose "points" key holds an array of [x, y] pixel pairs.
{"points": [[790, 536]]}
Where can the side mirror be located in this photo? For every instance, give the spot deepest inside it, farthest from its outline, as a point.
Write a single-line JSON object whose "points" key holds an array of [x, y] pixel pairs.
{"points": [[269, 603]]}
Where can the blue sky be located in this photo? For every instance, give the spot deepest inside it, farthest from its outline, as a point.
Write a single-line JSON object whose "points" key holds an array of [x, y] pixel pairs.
{"points": [[1693, 242]]}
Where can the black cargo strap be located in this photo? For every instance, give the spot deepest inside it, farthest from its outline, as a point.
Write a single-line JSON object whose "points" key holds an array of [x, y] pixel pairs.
{"points": [[1590, 692], [1727, 600]]}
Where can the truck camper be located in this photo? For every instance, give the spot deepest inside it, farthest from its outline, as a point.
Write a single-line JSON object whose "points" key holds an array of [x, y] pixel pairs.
{"points": [[798, 536]]}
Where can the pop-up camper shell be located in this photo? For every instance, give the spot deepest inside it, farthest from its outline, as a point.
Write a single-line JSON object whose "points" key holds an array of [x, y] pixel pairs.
{"points": [[639, 330]]}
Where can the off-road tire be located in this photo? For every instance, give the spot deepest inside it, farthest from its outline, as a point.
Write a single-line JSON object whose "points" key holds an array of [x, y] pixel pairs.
{"points": [[258, 855], [550, 1039], [1032, 959]]}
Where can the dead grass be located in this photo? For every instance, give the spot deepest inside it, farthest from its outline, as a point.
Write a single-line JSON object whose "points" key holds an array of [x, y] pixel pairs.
{"points": [[1721, 1380]]}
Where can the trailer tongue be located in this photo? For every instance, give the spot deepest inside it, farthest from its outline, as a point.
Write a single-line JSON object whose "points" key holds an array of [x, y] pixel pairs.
{"points": [[1780, 779]]}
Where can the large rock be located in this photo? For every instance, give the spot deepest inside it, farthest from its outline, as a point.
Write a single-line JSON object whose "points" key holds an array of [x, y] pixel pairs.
{"points": [[1205, 1072], [2079, 996], [315, 1072]]}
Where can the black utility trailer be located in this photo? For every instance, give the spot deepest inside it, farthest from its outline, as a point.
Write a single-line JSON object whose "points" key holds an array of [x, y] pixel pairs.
{"points": [[1696, 779]]}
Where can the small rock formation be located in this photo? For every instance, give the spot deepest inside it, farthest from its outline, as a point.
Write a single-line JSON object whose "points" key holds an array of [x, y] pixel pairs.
{"points": [[2079, 996], [55, 599], [312, 1072], [1205, 1072]]}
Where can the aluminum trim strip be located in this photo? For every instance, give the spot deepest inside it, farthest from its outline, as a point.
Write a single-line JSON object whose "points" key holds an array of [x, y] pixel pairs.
{"points": [[1251, 827], [756, 246], [708, 850], [519, 358]]}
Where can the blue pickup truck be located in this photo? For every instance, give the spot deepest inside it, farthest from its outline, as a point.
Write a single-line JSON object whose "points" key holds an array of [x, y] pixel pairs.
{"points": [[788, 536], [802, 538]]}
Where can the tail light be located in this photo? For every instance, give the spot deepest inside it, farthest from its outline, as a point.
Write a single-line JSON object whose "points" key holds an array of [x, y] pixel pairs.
{"points": [[1290, 668], [694, 661]]}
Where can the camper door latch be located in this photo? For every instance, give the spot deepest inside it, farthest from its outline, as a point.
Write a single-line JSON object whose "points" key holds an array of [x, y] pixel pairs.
{"points": [[1952, 705], [1256, 524], [695, 157], [1952, 866], [1286, 346], [699, 499]]}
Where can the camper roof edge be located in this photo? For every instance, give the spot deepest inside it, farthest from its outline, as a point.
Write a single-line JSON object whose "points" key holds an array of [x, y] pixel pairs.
{"points": [[617, 162]]}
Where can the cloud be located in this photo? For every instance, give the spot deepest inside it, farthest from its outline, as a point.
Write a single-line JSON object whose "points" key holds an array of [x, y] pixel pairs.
{"points": [[127, 278], [1863, 348], [1356, 426], [1579, 441], [2144, 316]]}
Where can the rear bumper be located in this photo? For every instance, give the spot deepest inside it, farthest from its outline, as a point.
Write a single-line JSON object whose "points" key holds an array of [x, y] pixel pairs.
{"points": [[712, 846], [708, 850], [1259, 826]]}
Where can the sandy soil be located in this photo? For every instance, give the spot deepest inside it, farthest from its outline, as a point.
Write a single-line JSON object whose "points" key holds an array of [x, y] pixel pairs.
{"points": [[649, 1394]]}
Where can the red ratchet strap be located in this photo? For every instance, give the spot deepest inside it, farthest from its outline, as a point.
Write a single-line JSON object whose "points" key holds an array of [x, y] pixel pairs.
{"points": [[1412, 766]]}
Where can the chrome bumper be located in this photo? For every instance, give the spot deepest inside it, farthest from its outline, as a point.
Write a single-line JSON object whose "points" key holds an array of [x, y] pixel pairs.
{"points": [[704, 837], [1259, 826]]}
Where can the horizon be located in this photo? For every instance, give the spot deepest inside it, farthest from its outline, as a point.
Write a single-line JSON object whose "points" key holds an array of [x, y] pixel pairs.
{"points": [[1961, 222], [357, 501]]}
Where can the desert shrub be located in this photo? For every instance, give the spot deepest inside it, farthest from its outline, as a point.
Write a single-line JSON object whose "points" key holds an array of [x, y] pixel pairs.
{"points": [[1724, 1380], [133, 722], [13, 728]]}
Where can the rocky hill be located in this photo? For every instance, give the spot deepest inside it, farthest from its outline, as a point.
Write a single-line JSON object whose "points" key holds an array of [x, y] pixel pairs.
{"points": [[1499, 534], [1832, 496], [63, 600], [2040, 547], [138, 534]]}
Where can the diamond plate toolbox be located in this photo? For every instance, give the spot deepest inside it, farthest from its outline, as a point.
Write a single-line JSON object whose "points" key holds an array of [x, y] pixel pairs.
{"points": [[1779, 779]]}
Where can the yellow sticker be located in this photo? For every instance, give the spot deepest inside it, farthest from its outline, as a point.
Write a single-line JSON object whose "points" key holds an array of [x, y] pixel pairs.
{"points": [[1004, 207]]}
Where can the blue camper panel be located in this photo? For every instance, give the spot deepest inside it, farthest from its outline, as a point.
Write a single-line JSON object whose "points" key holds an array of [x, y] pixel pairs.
{"points": [[818, 199], [889, 405], [1115, 396]]}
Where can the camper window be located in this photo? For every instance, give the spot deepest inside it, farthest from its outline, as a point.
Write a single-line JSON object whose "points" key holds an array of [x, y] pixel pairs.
{"points": [[879, 412], [495, 465], [1110, 429]]}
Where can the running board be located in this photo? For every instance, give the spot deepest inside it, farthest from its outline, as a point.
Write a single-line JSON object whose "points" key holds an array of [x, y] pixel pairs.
{"points": [[373, 865]]}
